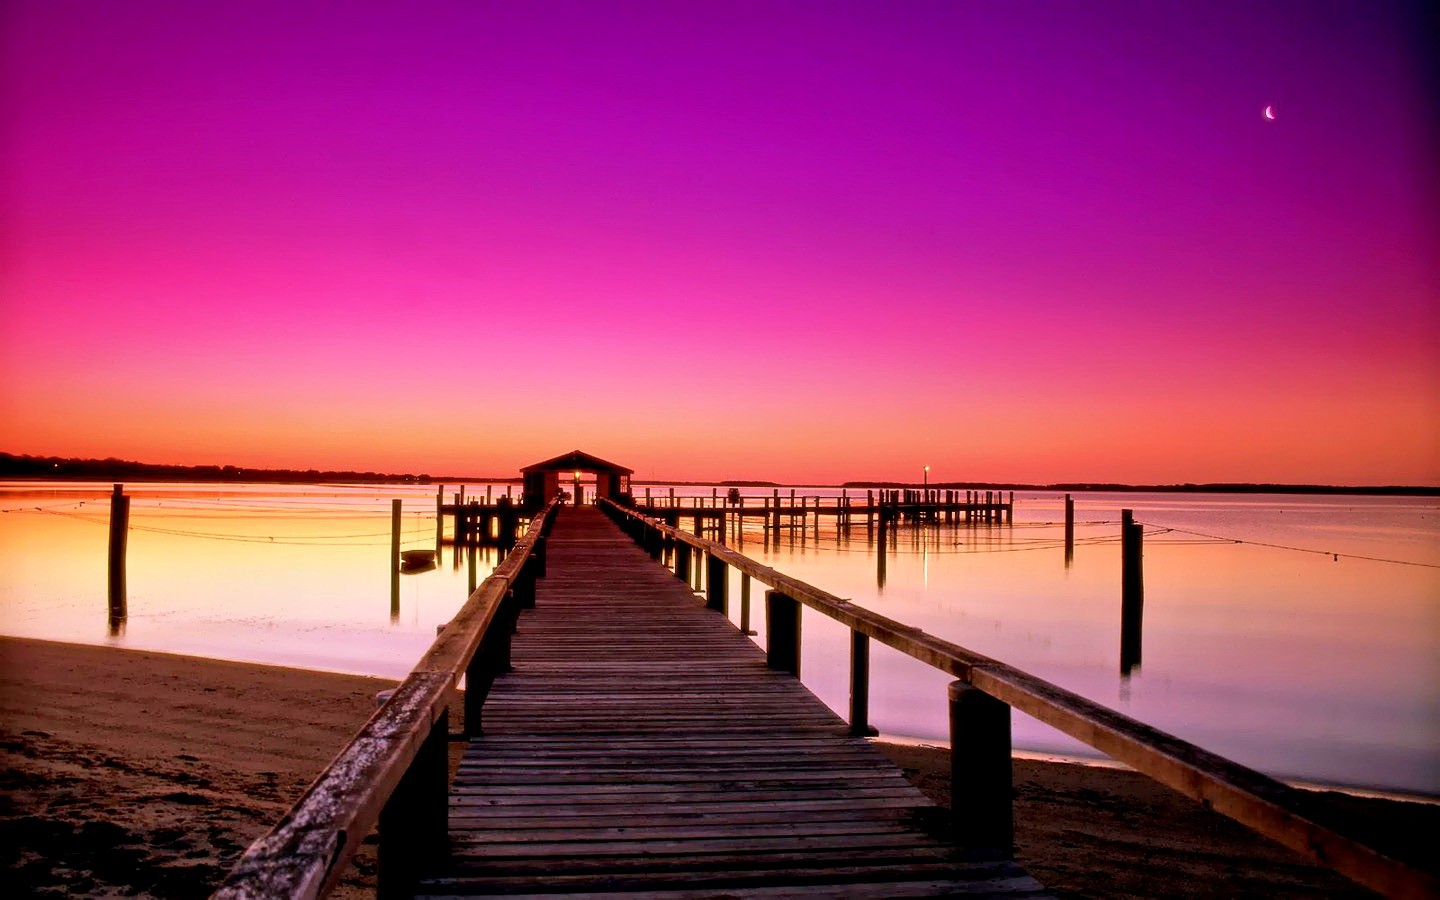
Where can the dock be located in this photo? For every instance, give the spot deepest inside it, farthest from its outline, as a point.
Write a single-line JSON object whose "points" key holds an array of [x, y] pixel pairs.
{"points": [[623, 737], [642, 744], [489, 520]]}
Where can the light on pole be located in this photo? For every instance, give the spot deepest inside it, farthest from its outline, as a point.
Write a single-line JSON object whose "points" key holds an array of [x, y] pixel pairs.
{"points": [[926, 477]]}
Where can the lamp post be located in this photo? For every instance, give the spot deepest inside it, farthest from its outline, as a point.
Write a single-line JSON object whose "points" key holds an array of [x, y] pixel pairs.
{"points": [[925, 483]]}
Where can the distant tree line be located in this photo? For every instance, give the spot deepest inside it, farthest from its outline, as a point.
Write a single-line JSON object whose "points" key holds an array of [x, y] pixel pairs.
{"points": [[1207, 488], [13, 466], [24, 466]]}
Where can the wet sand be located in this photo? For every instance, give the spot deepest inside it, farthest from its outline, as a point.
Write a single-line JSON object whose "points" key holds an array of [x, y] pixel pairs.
{"points": [[134, 773]]}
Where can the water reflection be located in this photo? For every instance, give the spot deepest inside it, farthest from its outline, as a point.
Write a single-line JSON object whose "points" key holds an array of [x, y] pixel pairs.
{"points": [[1239, 639]]}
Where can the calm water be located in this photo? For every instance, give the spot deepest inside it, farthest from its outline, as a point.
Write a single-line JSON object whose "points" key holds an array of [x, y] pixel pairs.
{"points": [[1299, 663]]}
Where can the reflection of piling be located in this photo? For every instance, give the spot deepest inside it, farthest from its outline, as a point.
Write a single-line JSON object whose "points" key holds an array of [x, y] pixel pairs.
{"points": [[880, 565], [394, 560], [119, 531], [1132, 590], [1069, 530]]}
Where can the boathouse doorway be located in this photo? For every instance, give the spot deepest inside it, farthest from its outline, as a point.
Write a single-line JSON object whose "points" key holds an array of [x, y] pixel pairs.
{"points": [[543, 480]]}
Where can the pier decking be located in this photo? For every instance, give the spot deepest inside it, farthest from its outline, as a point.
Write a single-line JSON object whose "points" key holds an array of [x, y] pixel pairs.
{"points": [[626, 739], [641, 744]]}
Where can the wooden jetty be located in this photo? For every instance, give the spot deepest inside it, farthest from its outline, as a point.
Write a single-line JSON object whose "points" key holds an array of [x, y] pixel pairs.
{"points": [[642, 744], [491, 520], [623, 737]]}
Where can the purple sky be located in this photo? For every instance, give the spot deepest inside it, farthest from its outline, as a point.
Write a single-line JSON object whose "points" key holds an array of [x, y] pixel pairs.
{"points": [[709, 239]]}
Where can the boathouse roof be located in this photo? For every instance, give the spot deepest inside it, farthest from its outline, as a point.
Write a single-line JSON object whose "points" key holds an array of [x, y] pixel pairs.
{"points": [[577, 460]]}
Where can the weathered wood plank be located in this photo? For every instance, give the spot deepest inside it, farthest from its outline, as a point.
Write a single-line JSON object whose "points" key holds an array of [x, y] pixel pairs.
{"points": [[642, 745]]}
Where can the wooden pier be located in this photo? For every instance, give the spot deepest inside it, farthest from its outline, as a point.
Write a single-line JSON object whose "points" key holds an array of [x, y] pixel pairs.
{"points": [[642, 744], [493, 521], [625, 738]]}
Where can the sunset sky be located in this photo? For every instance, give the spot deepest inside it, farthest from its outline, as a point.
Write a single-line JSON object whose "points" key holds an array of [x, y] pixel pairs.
{"points": [[795, 241]]}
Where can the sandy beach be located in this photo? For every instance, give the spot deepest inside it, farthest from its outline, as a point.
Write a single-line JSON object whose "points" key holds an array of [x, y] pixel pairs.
{"points": [[130, 773]]}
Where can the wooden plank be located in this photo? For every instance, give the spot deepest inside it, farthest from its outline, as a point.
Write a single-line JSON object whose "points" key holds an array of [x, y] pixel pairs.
{"points": [[642, 745], [1270, 807]]}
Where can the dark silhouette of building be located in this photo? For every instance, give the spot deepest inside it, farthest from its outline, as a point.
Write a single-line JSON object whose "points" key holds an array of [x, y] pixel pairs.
{"points": [[543, 480]]}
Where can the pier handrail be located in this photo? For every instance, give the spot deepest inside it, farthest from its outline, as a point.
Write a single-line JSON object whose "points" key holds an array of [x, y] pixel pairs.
{"points": [[1265, 805], [392, 764]]}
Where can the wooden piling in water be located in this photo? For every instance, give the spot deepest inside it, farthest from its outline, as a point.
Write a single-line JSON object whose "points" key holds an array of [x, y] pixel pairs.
{"points": [[119, 538], [439, 520], [1069, 529], [1132, 590], [394, 559]]}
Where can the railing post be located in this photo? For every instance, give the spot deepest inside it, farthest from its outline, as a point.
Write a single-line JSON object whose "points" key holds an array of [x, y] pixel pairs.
{"points": [[682, 561], [414, 823], [524, 586], [782, 632], [860, 685], [540, 556], [745, 604], [717, 585], [981, 793]]}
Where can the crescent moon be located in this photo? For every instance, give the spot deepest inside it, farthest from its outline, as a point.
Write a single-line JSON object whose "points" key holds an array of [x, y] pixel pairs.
{"points": [[1270, 113]]}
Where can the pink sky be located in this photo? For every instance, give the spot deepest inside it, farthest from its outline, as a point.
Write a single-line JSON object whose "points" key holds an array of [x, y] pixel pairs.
{"points": [[795, 241]]}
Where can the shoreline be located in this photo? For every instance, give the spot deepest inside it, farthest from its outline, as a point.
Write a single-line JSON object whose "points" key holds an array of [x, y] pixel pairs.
{"points": [[1103, 762], [165, 474], [132, 771]]}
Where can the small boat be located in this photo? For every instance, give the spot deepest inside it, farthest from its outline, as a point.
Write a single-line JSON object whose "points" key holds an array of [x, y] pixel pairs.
{"points": [[417, 560]]}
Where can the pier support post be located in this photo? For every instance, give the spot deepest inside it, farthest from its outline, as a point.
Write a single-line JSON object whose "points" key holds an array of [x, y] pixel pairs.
{"points": [[717, 585], [782, 632], [682, 561], [414, 822], [119, 538], [860, 685], [745, 604], [981, 793], [1132, 590]]}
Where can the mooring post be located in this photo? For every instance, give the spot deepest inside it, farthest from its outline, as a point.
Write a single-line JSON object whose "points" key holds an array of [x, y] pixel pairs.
{"points": [[394, 558], [439, 520], [473, 568], [745, 604], [119, 538], [717, 585], [860, 685], [980, 770], [414, 826], [1069, 529], [1132, 590], [782, 632]]}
